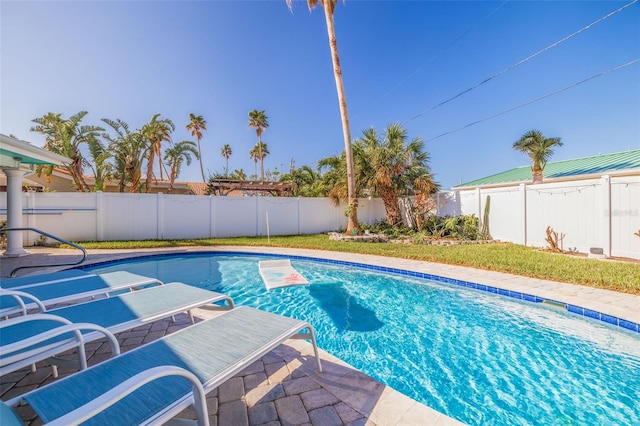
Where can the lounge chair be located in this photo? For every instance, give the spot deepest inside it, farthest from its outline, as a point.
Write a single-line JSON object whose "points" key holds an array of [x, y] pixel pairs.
{"points": [[115, 314], [48, 278], [213, 350], [70, 289]]}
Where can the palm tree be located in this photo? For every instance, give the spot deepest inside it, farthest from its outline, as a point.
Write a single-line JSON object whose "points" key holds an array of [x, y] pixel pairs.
{"points": [[102, 168], [305, 179], [539, 148], [65, 137], [226, 153], [129, 149], [329, 7], [195, 126], [392, 166], [254, 154], [259, 121], [238, 175], [176, 155], [261, 150], [155, 132]]}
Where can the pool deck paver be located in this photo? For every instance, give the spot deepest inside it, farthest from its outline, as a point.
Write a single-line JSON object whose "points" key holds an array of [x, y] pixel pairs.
{"points": [[283, 388]]}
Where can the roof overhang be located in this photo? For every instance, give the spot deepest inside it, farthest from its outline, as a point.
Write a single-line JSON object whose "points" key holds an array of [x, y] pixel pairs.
{"points": [[14, 152]]}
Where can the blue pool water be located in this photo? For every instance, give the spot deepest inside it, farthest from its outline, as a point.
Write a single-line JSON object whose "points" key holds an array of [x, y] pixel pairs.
{"points": [[475, 356]]}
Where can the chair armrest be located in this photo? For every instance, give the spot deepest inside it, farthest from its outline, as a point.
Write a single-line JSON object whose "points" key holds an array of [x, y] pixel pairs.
{"points": [[19, 297], [19, 347], [109, 398]]}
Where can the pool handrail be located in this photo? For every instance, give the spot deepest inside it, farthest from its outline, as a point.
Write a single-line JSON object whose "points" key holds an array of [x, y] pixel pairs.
{"points": [[53, 237]]}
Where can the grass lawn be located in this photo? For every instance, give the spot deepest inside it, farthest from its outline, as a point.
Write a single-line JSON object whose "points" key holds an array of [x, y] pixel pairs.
{"points": [[501, 257]]}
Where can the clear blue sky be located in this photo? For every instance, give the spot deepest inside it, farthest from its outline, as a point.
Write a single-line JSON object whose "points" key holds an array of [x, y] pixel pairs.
{"points": [[221, 59]]}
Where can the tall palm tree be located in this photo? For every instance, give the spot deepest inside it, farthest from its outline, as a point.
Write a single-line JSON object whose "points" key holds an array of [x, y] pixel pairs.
{"points": [[156, 131], [539, 149], [196, 125], [391, 166], [65, 137], [226, 153], [176, 155], [329, 7], [259, 121]]}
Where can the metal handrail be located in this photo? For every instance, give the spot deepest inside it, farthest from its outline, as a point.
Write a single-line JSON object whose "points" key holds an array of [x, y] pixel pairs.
{"points": [[53, 237]]}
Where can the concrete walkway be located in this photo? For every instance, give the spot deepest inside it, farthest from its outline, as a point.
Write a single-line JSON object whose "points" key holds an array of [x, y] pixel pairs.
{"points": [[283, 388]]}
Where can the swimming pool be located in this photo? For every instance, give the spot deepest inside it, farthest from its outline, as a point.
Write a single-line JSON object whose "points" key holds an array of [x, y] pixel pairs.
{"points": [[474, 356]]}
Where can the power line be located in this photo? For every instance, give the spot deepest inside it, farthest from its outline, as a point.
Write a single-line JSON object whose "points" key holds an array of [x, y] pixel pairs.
{"points": [[535, 100], [525, 59], [446, 48]]}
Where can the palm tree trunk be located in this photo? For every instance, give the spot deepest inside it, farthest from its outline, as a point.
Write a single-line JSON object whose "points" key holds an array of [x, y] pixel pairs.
{"points": [[261, 158], [537, 172], [390, 200], [352, 222], [200, 158], [150, 161]]}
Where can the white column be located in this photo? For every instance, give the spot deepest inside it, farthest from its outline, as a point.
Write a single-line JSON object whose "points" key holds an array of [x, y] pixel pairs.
{"points": [[14, 212]]}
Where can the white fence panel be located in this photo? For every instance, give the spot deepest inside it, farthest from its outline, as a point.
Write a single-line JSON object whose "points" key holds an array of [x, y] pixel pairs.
{"points": [[128, 216], [625, 213], [234, 216], [469, 202], [45, 211], [448, 203], [506, 222], [572, 209], [370, 211], [319, 215], [283, 216], [185, 217]]}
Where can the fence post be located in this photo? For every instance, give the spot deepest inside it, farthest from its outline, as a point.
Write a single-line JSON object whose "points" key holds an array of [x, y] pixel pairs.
{"points": [[298, 214], [606, 199], [99, 216], [160, 216], [523, 191], [479, 195], [211, 226]]}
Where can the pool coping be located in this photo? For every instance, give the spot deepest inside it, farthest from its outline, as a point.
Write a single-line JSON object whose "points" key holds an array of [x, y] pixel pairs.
{"points": [[614, 308]]}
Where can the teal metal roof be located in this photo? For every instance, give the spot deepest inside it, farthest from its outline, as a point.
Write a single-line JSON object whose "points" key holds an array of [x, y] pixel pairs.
{"points": [[579, 166]]}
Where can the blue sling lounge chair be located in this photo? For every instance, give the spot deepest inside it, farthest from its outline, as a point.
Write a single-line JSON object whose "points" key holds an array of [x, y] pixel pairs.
{"points": [[115, 314], [70, 289], [213, 351]]}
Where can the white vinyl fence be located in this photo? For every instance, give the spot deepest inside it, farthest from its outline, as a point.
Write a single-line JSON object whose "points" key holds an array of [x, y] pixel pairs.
{"points": [[102, 216], [597, 213], [602, 213]]}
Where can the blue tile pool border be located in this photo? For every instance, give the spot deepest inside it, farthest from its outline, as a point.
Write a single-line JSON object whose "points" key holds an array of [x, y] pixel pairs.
{"points": [[578, 310]]}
